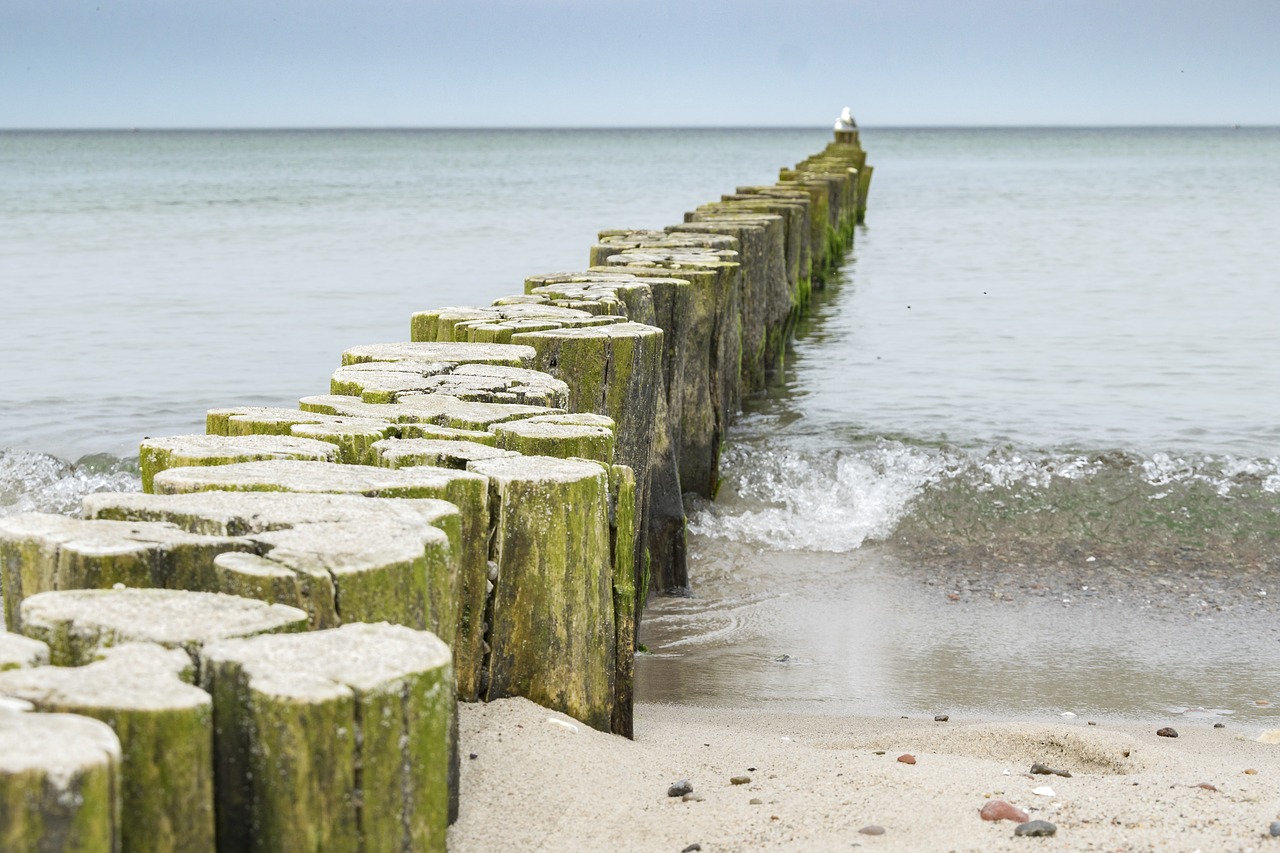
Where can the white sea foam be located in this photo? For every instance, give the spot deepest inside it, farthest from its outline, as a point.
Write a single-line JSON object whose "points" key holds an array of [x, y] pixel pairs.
{"points": [[788, 497], [37, 482]]}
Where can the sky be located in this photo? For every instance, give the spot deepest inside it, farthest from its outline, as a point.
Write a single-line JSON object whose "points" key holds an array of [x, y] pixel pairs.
{"points": [[611, 63]]}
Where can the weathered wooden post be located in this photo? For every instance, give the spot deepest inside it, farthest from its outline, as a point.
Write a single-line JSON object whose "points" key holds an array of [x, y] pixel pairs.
{"points": [[335, 740], [165, 730], [59, 784]]}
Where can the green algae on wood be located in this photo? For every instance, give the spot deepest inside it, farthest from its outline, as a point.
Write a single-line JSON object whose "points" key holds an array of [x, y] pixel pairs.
{"points": [[534, 438], [165, 729], [552, 633], [158, 454], [709, 383], [437, 409], [435, 452], [443, 324], [622, 528], [335, 740], [59, 784], [417, 582], [300, 557], [389, 382], [615, 371], [40, 552], [614, 293], [17, 651], [465, 353], [78, 624], [337, 557]]}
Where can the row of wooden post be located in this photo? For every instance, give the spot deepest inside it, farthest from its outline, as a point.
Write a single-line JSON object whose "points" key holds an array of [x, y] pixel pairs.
{"points": [[264, 649]]}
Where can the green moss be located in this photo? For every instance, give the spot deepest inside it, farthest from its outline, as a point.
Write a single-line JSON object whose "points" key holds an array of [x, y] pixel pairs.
{"points": [[553, 630], [624, 524], [167, 775]]}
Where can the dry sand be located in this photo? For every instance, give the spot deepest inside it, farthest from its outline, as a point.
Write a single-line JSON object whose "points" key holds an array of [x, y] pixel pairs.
{"points": [[532, 784]]}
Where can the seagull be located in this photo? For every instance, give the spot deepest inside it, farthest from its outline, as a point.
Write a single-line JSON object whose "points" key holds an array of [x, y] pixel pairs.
{"points": [[845, 122]]}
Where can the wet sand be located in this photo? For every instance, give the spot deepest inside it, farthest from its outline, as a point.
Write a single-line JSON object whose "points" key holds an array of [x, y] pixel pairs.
{"points": [[872, 634]]}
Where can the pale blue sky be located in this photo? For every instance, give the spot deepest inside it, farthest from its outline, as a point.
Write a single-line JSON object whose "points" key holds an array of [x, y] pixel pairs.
{"points": [[432, 63]]}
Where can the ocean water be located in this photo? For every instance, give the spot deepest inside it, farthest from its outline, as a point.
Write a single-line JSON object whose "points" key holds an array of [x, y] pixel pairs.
{"points": [[1024, 458]]}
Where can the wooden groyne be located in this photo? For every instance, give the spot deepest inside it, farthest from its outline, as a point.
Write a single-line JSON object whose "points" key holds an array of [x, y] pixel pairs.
{"points": [[264, 649]]}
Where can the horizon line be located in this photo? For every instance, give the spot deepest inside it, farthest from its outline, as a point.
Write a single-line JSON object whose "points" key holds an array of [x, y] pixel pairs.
{"points": [[584, 127]]}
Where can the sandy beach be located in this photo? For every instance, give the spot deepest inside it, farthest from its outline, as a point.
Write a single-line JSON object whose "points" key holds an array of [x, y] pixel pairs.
{"points": [[535, 780]]}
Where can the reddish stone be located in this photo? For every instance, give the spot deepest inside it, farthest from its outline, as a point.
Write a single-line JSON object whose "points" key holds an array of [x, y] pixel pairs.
{"points": [[907, 759], [1000, 810]]}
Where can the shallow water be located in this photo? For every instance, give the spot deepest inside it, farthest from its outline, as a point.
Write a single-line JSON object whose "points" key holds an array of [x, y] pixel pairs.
{"points": [[862, 632], [1046, 372]]}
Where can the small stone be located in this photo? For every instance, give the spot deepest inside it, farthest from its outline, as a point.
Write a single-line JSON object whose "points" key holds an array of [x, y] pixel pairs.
{"points": [[1219, 725], [691, 848], [1000, 810], [879, 752], [907, 758], [940, 718], [1275, 829], [1043, 791], [1036, 829], [873, 829], [739, 780], [1045, 770], [1250, 772], [1092, 723], [679, 789], [692, 798], [1166, 732], [1207, 786], [755, 801], [474, 756]]}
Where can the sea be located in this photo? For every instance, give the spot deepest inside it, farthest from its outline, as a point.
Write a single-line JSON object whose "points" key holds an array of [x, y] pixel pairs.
{"points": [[1023, 459]]}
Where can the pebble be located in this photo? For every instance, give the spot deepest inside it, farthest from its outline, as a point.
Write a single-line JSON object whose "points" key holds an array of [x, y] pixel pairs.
{"points": [[873, 829], [1219, 725], [474, 756], [692, 798], [907, 758], [1043, 791], [739, 780], [1036, 829], [1000, 810], [755, 801], [692, 848], [679, 789], [1166, 732], [1250, 772], [940, 718], [1275, 829], [1046, 770]]}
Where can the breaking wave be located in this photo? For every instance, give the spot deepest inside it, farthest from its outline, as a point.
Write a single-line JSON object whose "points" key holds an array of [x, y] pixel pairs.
{"points": [[995, 501], [37, 482]]}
